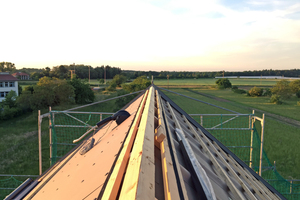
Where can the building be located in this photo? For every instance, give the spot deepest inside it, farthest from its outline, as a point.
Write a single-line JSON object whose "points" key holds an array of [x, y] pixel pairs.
{"points": [[7, 83], [21, 75], [150, 150]]}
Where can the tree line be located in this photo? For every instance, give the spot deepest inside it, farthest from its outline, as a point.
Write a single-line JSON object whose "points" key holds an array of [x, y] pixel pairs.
{"points": [[108, 72]]}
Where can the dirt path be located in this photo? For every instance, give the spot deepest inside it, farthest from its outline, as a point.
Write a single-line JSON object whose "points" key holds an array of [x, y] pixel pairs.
{"points": [[279, 118]]}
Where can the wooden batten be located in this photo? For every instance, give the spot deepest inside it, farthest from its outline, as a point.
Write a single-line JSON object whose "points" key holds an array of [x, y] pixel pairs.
{"points": [[114, 182], [170, 183], [139, 180]]}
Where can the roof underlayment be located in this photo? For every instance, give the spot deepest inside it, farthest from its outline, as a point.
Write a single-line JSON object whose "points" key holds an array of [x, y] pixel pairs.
{"points": [[159, 152]]}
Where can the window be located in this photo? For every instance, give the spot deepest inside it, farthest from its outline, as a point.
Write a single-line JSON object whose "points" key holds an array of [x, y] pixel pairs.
{"points": [[1, 94], [11, 84], [1, 84], [6, 84]]}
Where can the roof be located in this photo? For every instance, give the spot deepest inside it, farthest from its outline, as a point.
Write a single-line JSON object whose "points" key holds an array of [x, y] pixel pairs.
{"points": [[20, 74], [158, 152], [7, 77]]}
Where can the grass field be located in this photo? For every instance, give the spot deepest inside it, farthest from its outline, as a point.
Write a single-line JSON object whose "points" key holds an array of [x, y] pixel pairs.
{"points": [[212, 81], [289, 108], [281, 140]]}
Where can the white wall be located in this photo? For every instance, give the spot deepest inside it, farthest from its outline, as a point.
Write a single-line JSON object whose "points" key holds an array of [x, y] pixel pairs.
{"points": [[8, 89]]}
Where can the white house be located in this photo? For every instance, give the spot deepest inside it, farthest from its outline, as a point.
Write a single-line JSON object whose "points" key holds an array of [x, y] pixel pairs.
{"points": [[7, 83]]}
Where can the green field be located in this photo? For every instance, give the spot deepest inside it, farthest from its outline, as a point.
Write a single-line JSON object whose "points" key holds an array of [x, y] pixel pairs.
{"points": [[281, 140], [212, 81]]}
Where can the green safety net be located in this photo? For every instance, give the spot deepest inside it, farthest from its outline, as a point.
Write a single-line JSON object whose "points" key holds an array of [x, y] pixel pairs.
{"points": [[234, 131], [7, 185], [67, 127]]}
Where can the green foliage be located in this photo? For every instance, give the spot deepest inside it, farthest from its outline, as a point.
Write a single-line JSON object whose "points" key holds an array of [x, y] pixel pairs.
{"points": [[139, 83], [283, 89], [101, 81], [295, 86], [112, 86], [119, 79], [275, 99], [47, 92], [20, 89], [298, 94], [235, 89], [223, 83], [29, 88], [298, 103], [7, 67], [10, 99], [83, 92], [267, 92], [255, 91]]}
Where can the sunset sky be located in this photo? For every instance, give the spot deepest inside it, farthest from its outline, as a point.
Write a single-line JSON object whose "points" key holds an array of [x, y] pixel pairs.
{"points": [[168, 35]]}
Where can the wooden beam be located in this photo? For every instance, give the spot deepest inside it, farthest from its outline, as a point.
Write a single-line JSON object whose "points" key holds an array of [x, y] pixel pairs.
{"points": [[139, 181], [170, 183], [114, 182]]}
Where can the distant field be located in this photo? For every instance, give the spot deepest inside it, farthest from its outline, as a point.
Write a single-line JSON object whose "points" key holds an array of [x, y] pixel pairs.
{"points": [[212, 81], [281, 140], [288, 109]]}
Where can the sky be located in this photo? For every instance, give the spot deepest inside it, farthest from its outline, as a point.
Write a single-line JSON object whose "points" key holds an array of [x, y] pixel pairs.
{"points": [[157, 35]]}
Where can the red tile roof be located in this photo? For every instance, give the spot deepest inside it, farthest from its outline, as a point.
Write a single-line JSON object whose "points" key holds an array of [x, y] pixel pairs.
{"points": [[20, 74], [7, 77]]}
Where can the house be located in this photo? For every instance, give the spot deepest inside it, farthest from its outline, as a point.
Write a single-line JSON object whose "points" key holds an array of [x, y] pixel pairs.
{"points": [[7, 83], [21, 75]]}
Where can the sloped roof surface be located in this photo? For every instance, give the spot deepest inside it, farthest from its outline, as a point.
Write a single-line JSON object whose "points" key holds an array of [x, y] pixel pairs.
{"points": [[7, 77], [20, 74], [159, 152]]}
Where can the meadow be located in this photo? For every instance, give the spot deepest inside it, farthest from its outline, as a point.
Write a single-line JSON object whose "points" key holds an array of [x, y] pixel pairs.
{"points": [[281, 140], [212, 81]]}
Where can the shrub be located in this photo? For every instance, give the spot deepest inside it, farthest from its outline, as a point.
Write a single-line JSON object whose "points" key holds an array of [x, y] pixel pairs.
{"points": [[298, 94], [256, 92], [139, 83], [112, 86], [275, 99], [283, 89], [295, 86], [298, 103], [83, 92], [239, 91], [267, 92], [223, 83], [234, 88]]}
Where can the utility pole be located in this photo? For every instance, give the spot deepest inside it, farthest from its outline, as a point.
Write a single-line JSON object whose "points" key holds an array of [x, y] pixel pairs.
{"points": [[72, 72], [105, 75], [89, 74], [223, 73]]}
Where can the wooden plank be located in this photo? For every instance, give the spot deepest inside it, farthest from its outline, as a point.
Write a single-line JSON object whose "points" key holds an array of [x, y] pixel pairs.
{"points": [[170, 183], [113, 184], [139, 181]]}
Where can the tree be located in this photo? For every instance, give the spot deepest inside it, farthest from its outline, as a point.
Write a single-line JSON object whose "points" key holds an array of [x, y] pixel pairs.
{"points": [[282, 89], [223, 83], [10, 99], [139, 83], [83, 92], [7, 67], [295, 86], [256, 92], [119, 79]]}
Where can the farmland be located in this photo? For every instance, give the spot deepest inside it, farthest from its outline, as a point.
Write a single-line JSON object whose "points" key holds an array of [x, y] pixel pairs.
{"points": [[281, 139], [211, 81]]}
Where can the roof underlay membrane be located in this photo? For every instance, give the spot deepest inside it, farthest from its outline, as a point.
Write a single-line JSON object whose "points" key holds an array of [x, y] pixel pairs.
{"points": [[158, 152]]}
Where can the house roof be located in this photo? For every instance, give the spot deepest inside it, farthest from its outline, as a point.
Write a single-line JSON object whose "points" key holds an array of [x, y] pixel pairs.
{"points": [[158, 152], [7, 77], [20, 74]]}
